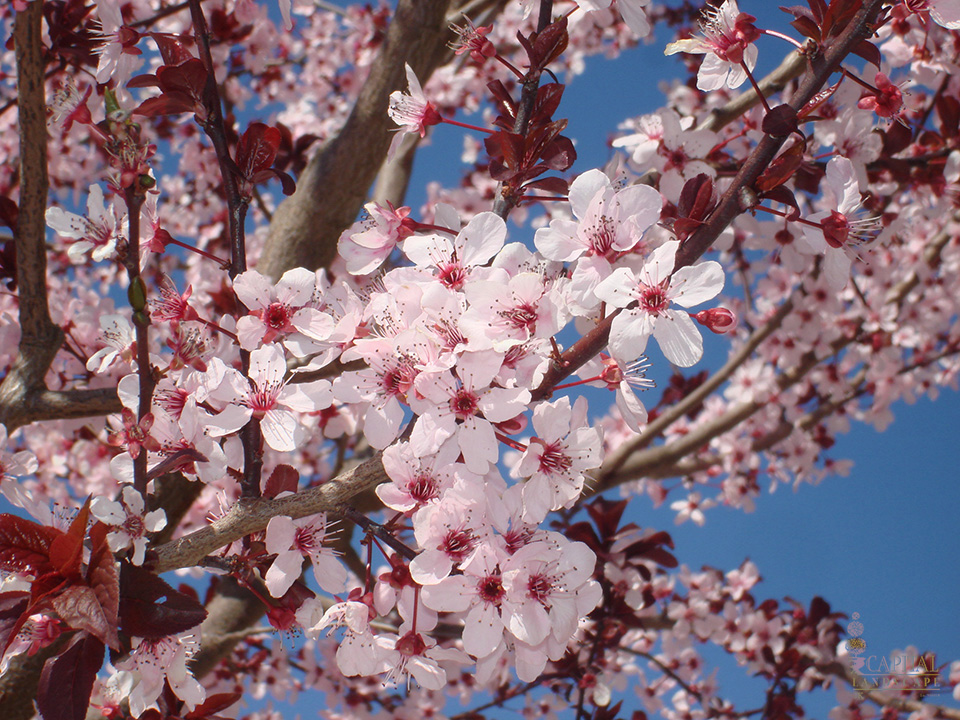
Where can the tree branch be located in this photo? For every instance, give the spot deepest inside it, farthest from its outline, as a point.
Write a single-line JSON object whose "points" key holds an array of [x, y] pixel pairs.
{"points": [[251, 515], [40, 338], [333, 187]]}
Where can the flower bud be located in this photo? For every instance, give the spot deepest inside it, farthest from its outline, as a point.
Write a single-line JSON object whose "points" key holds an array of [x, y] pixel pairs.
{"points": [[718, 320]]}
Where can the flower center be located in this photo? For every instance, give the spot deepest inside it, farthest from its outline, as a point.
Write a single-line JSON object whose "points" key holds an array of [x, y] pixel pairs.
{"points": [[653, 299], [458, 543], [836, 229], [424, 488], [522, 317], [553, 461], [452, 276], [491, 589], [464, 404], [538, 588], [276, 316]]}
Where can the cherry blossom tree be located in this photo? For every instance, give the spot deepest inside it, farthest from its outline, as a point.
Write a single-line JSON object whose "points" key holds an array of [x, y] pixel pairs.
{"points": [[234, 350]]}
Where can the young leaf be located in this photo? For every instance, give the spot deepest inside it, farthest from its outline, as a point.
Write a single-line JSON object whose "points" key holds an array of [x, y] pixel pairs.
{"points": [[151, 608], [284, 478], [79, 607], [257, 149], [103, 577], [66, 552], [25, 545], [67, 680]]}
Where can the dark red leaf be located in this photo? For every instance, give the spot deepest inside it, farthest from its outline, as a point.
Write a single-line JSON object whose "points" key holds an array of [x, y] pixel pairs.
{"points": [[507, 106], [284, 478], [785, 196], [948, 110], [257, 149], [548, 100], [79, 607], [556, 185], [166, 104], [606, 515], [896, 139], [103, 577], [151, 608], [67, 680], [781, 169], [549, 44], [66, 552], [807, 28], [560, 154], [188, 78], [696, 198], [172, 49], [837, 16], [213, 704], [142, 81], [25, 545], [817, 100], [9, 210], [868, 51], [780, 121], [287, 184]]}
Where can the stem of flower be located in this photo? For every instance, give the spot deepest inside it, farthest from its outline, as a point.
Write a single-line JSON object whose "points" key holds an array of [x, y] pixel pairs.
{"points": [[466, 125], [787, 215], [860, 82], [509, 442], [203, 253], [578, 382], [774, 33], [756, 87]]}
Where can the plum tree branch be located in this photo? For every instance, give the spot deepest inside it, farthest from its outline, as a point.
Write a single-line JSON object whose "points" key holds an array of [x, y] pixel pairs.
{"points": [[252, 515], [40, 338], [333, 187]]}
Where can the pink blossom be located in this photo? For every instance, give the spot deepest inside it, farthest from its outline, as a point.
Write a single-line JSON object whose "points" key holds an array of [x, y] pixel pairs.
{"points": [[284, 311], [119, 56], [842, 228], [411, 110], [654, 289], [130, 524], [37, 632], [152, 662], [97, 234], [557, 457], [266, 396], [291, 540], [368, 244], [727, 42]]}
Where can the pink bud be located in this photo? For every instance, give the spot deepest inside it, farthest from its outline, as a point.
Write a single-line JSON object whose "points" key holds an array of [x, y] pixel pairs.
{"points": [[718, 320], [512, 426]]}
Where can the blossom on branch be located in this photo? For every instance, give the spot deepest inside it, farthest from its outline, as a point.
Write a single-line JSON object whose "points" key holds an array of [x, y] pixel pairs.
{"points": [[653, 290], [727, 42]]}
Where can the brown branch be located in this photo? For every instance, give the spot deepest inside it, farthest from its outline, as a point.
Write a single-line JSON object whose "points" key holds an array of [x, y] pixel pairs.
{"points": [[333, 187], [251, 515], [40, 338]]}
